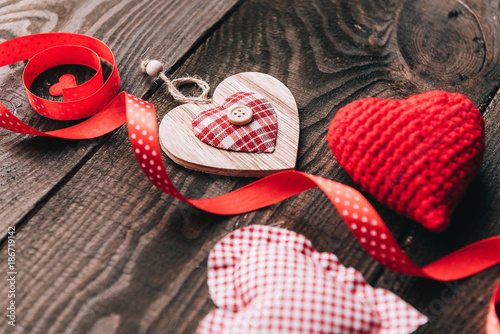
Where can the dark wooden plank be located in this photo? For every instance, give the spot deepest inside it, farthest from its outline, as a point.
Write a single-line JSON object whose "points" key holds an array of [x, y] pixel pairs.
{"points": [[110, 251], [33, 168], [461, 306], [464, 302]]}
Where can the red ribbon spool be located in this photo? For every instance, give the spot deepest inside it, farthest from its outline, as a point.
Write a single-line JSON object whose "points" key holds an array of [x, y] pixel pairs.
{"points": [[110, 111]]}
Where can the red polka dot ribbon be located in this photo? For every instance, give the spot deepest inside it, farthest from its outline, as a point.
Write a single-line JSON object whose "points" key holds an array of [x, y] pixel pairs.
{"points": [[94, 97], [109, 110]]}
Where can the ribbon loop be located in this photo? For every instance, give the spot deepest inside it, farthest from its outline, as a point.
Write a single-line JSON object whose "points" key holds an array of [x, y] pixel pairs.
{"points": [[110, 110], [59, 55], [94, 97]]}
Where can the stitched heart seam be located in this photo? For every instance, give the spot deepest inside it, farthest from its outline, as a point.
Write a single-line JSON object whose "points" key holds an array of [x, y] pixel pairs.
{"points": [[213, 128]]}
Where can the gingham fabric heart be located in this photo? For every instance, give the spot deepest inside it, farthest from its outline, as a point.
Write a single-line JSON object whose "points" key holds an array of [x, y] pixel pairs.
{"points": [[269, 280], [213, 128]]}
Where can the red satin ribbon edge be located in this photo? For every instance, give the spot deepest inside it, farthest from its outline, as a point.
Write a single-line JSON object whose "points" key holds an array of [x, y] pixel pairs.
{"points": [[109, 110]]}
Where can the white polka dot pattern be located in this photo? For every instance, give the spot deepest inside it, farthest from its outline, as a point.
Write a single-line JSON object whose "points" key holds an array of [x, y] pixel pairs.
{"points": [[144, 140], [367, 226], [111, 111], [48, 50]]}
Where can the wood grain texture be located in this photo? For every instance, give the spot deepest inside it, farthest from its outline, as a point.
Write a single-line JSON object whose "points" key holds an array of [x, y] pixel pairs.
{"points": [[475, 219], [179, 142], [108, 251], [32, 169]]}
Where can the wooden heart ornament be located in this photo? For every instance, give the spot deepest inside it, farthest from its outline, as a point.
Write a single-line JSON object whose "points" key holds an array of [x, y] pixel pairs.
{"points": [[417, 155], [269, 146]]}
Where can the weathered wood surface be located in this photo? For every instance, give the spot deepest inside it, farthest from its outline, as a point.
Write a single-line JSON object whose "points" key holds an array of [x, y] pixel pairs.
{"points": [[166, 30], [105, 251]]}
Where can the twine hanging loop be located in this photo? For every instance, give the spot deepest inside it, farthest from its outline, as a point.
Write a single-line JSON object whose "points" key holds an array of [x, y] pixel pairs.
{"points": [[154, 68]]}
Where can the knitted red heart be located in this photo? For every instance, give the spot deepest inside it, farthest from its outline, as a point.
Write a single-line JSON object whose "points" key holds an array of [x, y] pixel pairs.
{"points": [[213, 128], [417, 155]]}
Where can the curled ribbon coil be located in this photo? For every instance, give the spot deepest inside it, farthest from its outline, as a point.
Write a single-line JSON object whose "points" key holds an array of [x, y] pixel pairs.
{"points": [[109, 110]]}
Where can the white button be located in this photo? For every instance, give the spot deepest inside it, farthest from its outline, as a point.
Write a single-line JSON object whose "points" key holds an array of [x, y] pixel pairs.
{"points": [[240, 115]]}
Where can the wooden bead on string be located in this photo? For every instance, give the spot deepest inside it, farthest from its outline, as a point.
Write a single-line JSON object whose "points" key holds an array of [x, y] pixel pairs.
{"points": [[154, 68]]}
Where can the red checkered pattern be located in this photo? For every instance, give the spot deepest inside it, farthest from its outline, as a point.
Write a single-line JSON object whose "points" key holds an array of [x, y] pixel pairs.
{"points": [[213, 128], [269, 280]]}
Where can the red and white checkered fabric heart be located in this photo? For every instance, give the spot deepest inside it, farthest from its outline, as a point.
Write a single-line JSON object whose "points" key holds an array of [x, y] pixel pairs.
{"points": [[213, 128], [270, 280]]}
